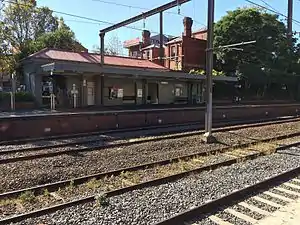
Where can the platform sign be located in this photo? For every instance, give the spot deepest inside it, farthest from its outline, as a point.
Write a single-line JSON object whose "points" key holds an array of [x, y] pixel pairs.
{"points": [[139, 93], [120, 93]]}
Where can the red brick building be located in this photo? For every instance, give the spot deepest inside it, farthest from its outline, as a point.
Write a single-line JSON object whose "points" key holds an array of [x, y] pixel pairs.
{"points": [[180, 53], [142, 48]]}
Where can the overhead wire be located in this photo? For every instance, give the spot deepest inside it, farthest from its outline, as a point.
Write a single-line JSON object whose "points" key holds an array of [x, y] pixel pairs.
{"points": [[272, 10], [81, 17], [142, 8], [269, 5]]}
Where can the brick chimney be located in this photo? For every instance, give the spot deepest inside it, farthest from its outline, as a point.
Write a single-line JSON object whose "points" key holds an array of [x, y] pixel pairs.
{"points": [[187, 23], [146, 38]]}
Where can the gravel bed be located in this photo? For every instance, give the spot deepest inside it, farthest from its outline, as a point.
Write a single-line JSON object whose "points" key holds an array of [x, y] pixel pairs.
{"points": [[272, 199], [113, 136], [231, 218], [261, 205], [123, 137], [205, 221], [46, 170], [150, 205], [295, 182], [268, 131], [247, 212], [291, 196], [94, 187]]}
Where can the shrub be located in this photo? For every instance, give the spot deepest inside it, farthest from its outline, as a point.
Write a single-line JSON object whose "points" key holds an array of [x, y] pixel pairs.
{"points": [[20, 97], [24, 97]]}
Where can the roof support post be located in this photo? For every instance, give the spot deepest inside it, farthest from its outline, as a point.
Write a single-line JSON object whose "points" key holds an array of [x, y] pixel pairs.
{"points": [[102, 47]]}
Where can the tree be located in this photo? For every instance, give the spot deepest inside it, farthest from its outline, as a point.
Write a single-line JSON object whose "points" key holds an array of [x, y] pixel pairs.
{"points": [[24, 22], [62, 38], [202, 72], [112, 47], [25, 29], [259, 64]]}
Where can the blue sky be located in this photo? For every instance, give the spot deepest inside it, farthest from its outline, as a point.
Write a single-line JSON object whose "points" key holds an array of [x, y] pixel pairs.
{"points": [[87, 32]]}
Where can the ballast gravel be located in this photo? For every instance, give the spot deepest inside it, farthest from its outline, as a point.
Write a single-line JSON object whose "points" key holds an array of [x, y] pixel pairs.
{"points": [[104, 136], [30, 173], [151, 205]]}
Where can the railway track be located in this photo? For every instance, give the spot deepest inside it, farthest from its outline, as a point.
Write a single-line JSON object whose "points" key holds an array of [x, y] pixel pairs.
{"points": [[245, 206], [23, 153], [233, 156], [165, 129]]}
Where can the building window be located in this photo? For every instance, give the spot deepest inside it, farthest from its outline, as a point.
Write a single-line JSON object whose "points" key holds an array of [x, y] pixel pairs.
{"points": [[148, 54], [134, 54], [178, 91], [173, 51], [113, 93]]}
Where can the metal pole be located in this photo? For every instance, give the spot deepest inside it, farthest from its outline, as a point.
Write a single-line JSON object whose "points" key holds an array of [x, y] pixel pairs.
{"points": [[102, 47], [290, 20], [161, 38], [209, 67]]}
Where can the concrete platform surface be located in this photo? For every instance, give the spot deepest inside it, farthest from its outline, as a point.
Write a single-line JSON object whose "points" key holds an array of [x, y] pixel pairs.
{"points": [[287, 215], [130, 109]]}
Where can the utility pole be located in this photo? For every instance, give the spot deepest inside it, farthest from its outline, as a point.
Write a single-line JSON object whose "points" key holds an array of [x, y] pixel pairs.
{"points": [[290, 20], [208, 137], [161, 39]]}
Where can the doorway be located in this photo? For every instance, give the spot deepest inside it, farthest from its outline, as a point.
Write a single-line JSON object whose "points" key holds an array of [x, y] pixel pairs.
{"points": [[90, 93], [152, 97]]}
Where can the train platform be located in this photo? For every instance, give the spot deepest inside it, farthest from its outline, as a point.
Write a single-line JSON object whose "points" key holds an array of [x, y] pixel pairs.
{"points": [[123, 109], [288, 215], [18, 125]]}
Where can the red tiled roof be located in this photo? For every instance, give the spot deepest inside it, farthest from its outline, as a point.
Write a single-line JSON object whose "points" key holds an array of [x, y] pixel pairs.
{"points": [[132, 42], [85, 57]]}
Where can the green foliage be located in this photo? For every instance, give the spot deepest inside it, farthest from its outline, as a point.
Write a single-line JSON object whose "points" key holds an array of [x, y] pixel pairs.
{"points": [[27, 196], [263, 67], [46, 193], [202, 72], [25, 29], [271, 49], [102, 200], [19, 97]]}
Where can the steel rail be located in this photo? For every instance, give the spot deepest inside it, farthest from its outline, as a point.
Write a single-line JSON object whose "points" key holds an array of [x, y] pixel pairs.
{"points": [[114, 131], [69, 151], [155, 182]]}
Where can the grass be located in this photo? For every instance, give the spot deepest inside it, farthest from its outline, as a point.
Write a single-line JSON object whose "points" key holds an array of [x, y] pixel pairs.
{"points": [[93, 184], [46, 193], [102, 200], [27, 196]]}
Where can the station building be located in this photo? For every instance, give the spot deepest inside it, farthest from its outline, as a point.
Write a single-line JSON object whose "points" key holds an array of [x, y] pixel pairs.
{"points": [[119, 81]]}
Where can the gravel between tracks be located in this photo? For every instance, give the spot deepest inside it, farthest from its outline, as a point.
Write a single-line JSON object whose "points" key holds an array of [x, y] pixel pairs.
{"points": [[112, 136], [46, 170], [150, 205]]}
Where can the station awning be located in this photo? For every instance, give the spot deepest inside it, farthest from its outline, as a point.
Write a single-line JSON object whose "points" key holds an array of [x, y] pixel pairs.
{"points": [[89, 68]]}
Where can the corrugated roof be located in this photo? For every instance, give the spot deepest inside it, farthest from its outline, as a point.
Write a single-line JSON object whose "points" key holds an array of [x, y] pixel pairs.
{"points": [[85, 57]]}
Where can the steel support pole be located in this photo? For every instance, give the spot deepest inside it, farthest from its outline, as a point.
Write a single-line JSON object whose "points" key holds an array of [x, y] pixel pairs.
{"points": [[102, 47], [161, 39], [290, 20], [208, 138]]}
